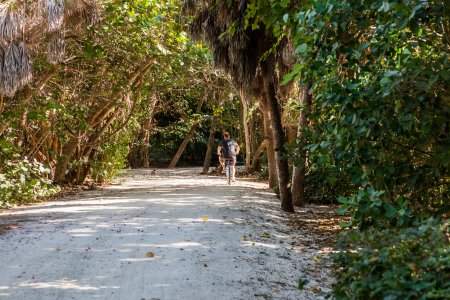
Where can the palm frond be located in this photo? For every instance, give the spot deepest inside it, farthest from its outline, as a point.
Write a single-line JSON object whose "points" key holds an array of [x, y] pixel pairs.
{"points": [[88, 10], [55, 14], [11, 22], [47, 18], [15, 68], [56, 48]]}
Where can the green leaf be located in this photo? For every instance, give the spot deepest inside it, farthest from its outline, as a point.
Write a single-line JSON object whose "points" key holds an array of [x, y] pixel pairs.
{"points": [[302, 49]]}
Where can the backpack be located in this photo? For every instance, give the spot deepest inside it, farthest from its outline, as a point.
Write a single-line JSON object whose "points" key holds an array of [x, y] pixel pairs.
{"points": [[228, 149]]}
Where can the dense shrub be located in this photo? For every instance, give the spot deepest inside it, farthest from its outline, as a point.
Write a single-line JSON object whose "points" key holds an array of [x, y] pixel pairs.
{"points": [[111, 159], [406, 263], [368, 208], [23, 181], [324, 185]]}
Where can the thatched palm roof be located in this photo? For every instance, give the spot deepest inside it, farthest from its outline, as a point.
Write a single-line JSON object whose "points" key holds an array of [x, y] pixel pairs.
{"points": [[236, 48], [20, 20]]}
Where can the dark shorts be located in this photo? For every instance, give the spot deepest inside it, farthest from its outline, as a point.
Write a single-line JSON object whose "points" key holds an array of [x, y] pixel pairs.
{"points": [[228, 160]]}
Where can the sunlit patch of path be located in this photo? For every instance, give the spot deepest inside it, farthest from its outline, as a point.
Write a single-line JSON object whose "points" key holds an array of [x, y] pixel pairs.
{"points": [[167, 235]]}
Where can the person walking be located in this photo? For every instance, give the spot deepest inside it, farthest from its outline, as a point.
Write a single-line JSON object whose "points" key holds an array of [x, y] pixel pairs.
{"points": [[227, 150]]}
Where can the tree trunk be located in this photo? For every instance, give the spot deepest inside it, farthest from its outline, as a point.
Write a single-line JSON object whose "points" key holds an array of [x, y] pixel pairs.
{"points": [[148, 129], [271, 165], [64, 159], [247, 132], [88, 150], [292, 133], [144, 149], [255, 162], [298, 177], [4, 126], [96, 117], [69, 149], [209, 151], [84, 170], [187, 138], [139, 156], [278, 136]]}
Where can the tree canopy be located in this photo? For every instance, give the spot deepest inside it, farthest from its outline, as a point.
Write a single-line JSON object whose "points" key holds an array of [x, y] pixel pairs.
{"points": [[333, 102]]}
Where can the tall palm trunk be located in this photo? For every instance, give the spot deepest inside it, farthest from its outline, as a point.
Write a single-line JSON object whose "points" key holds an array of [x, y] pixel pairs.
{"points": [[278, 135]]}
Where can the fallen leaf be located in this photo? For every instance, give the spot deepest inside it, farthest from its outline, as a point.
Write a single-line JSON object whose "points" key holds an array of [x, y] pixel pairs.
{"points": [[205, 218], [150, 254], [301, 283], [265, 235]]}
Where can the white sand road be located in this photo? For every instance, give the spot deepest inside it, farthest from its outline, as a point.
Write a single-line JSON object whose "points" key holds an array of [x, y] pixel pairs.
{"points": [[167, 235]]}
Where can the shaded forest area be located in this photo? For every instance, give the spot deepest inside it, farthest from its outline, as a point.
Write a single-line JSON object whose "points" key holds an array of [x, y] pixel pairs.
{"points": [[332, 101]]}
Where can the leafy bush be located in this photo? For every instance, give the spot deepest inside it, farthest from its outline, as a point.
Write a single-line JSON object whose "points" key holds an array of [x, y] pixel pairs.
{"points": [[406, 263], [111, 159], [23, 181], [325, 184], [368, 208]]}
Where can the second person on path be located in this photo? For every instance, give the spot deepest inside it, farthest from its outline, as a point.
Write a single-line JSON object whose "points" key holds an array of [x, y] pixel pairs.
{"points": [[227, 150]]}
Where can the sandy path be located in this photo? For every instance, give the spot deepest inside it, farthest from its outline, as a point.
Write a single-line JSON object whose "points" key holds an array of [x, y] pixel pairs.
{"points": [[209, 241]]}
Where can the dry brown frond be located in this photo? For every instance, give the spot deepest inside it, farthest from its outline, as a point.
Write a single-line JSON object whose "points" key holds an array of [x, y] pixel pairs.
{"points": [[236, 49], [55, 14], [33, 21], [11, 22], [15, 68], [88, 10], [56, 48]]}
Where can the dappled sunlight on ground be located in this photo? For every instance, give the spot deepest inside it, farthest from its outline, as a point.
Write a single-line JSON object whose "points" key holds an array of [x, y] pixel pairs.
{"points": [[161, 236], [59, 284]]}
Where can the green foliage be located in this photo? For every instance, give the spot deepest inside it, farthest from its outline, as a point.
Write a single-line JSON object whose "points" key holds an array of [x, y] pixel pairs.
{"points": [[368, 208], [393, 263], [387, 96], [380, 134], [175, 119], [321, 184], [379, 71], [23, 181], [90, 103], [110, 160]]}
